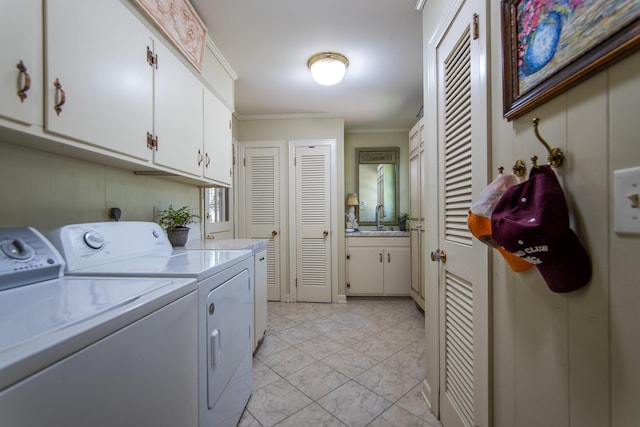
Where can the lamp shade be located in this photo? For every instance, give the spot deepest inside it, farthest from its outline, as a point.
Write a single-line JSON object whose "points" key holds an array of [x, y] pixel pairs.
{"points": [[328, 68], [352, 199]]}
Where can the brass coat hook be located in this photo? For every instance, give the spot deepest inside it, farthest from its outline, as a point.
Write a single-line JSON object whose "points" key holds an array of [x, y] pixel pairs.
{"points": [[556, 156], [519, 169], [534, 160]]}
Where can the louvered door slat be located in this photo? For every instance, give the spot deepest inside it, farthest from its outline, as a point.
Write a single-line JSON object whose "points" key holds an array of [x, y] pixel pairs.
{"points": [[459, 343], [457, 161], [262, 187], [313, 187], [314, 272]]}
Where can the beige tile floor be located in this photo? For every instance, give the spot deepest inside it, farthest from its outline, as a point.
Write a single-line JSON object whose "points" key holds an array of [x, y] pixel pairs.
{"points": [[354, 364]]}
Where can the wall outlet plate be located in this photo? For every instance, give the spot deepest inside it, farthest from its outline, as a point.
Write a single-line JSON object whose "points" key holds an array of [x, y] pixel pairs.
{"points": [[626, 193], [108, 205]]}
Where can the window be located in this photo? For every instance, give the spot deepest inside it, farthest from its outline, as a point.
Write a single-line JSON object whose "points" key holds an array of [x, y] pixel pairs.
{"points": [[218, 210]]}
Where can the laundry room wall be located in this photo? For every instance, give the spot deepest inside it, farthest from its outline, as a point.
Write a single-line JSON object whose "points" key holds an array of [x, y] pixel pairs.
{"points": [[567, 359], [45, 191]]}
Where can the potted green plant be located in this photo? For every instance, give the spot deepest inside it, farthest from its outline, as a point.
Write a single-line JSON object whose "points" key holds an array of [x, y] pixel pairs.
{"points": [[175, 222], [403, 220]]}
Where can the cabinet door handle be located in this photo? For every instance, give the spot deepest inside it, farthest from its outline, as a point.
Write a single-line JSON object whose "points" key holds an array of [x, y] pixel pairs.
{"points": [[199, 157], [22, 93], [380, 256], [388, 257], [60, 97], [207, 161]]}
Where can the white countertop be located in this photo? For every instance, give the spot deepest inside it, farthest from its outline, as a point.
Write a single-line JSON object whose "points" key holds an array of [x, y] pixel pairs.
{"points": [[247, 244], [374, 233]]}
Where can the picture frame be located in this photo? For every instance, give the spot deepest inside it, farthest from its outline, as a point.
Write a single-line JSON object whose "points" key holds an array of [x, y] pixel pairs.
{"points": [[178, 20], [551, 45]]}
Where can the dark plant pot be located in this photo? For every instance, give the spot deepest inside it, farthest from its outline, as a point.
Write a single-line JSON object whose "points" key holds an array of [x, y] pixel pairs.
{"points": [[178, 236], [402, 225]]}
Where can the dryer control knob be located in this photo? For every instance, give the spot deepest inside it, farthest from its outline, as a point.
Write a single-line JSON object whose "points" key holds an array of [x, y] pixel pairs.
{"points": [[93, 240]]}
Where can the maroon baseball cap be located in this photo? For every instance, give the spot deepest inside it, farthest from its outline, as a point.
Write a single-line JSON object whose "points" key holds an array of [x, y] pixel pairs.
{"points": [[531, 220]]}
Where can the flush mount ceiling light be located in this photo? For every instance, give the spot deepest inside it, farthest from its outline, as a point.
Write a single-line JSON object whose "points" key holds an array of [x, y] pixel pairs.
{"points": [[327, 68]]}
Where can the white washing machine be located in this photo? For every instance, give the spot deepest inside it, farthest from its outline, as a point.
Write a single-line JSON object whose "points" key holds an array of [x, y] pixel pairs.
{"points": [[79, 351], [225, 300]]}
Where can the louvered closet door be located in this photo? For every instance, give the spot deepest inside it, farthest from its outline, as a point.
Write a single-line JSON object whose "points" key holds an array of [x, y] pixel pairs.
{"points": [[313, 223], [462, 146], [262, 208]]}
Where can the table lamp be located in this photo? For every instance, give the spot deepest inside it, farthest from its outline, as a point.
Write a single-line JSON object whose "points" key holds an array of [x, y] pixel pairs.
{"points": [[352, 202]]}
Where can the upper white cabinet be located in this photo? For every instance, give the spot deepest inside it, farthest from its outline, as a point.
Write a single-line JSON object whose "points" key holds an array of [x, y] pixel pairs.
{"points": [[96, 52], [218, 151], [178, 125], [21, 61], [96, 79]]}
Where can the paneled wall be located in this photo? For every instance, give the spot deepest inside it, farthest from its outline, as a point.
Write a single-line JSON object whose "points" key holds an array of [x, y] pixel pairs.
{"points": [[568, 359], [45, 191]]}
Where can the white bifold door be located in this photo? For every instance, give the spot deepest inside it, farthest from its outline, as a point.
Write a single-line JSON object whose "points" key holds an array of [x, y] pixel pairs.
{"points": [[459, 47], [261, 205], [311, 230]]}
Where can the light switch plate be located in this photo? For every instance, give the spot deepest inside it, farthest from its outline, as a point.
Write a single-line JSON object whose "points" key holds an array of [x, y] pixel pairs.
{"points": [[626, 191]]}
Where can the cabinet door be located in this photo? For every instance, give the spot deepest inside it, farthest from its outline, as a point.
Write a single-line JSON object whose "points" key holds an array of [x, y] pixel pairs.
{"points": [[218, 155], [21, 35], [415, 263], [177, 114], [397, 271], [365, 271], [97, 52], [260, 297]]}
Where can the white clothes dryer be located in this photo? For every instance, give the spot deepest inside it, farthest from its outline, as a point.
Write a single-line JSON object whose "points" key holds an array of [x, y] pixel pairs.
{"points": [[97, 351], [225, 300]]}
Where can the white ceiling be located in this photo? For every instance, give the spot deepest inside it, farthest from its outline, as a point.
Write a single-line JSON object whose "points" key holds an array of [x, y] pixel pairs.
{"points": [[268, 43]]}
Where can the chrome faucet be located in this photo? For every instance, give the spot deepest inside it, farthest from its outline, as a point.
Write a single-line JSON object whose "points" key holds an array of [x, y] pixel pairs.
{"points": [[379, 215]]}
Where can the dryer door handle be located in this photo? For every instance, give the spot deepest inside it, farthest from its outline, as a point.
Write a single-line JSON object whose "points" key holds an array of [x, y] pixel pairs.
{"points": [[214, 346]]}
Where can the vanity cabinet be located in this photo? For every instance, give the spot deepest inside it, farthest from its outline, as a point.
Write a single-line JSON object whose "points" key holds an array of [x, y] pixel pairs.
{"points": [[416, 162], [378, 266], [21, 35]]}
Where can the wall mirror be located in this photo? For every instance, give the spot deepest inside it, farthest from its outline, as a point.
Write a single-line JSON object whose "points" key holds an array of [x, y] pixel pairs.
{"points": [[377, 181]]}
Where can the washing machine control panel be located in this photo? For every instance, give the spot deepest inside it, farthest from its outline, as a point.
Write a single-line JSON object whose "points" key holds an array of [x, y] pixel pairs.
{"points": [[27, 257], [88, 245]]}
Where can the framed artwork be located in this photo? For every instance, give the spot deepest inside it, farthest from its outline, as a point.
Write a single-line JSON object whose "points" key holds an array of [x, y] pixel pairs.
{"points": [[180, 22], [550, 45]]}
